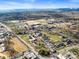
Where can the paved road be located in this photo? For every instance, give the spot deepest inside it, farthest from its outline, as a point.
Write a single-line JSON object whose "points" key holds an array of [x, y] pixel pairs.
{"points": [[32, 49], [25, 43]]}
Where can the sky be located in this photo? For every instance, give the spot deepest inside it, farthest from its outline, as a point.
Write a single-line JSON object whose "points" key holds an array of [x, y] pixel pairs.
{"points": [[39, 4]]}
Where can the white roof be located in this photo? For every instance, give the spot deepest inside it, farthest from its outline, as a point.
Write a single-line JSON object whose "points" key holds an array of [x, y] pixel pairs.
{"points": [[2, 49], [61, 56], [32, 39], [30, 54], [1, 33], [2, 39], [1, 45]]}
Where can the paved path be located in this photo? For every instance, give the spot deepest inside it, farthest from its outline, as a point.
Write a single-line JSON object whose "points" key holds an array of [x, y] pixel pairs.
{"points": [[25, 43], [32, 48]]}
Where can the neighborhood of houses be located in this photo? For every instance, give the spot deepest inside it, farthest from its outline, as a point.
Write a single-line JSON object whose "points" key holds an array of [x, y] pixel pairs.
{"points": [[45, 39]]}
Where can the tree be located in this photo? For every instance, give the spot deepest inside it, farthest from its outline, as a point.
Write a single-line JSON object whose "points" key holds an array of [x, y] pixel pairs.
{"points": [[44, 52]]}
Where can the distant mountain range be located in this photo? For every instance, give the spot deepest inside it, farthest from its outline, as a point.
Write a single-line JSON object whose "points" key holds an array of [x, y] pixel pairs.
{"points": [[32, 14], [37, 10]]}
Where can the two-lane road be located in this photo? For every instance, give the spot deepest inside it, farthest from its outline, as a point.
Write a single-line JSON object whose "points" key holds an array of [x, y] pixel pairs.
{"points": [[25, 43]]}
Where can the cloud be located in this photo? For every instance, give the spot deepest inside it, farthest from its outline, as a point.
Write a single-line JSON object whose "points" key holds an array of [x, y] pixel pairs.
{"points": [[33, 0], [30, 0], [74, 5], [17, 5], [14, 5], [74, 0]]}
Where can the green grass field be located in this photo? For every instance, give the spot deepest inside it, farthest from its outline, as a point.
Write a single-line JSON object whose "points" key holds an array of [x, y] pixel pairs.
{"points": [[25, 37], [53, 37]]}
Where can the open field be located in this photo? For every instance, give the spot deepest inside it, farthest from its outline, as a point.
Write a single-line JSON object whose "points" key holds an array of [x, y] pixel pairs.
{"points": [[40, 21], [53, 37], [25, 37], [17, 47]]}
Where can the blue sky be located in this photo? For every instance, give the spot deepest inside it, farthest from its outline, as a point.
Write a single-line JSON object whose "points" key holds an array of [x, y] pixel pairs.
{"points": [[22, 4]]}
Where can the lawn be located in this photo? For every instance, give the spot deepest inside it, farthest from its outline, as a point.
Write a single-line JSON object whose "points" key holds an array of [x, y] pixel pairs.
{"points": [[53, 37], [25, 37]]}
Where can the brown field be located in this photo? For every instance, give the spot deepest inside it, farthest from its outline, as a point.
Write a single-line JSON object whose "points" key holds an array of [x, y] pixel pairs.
{"points": [[39, 21], [72, 14], [17, 46]]}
